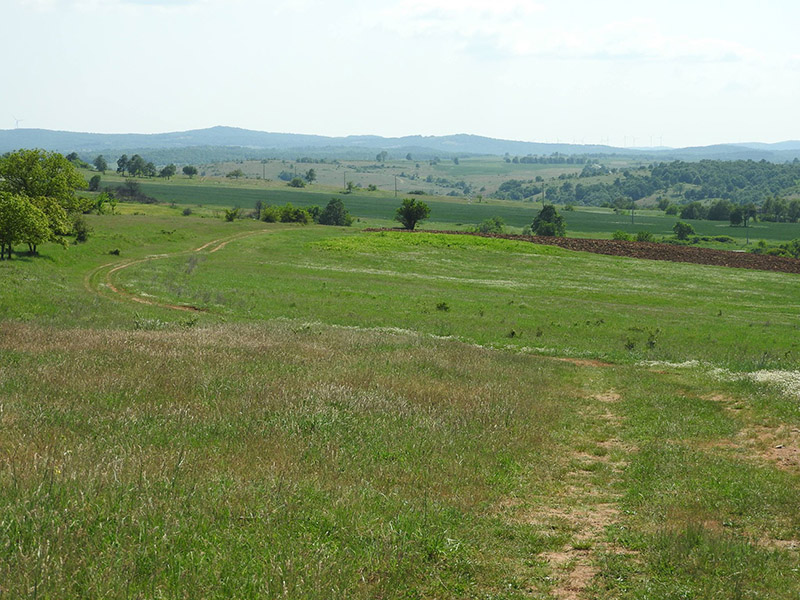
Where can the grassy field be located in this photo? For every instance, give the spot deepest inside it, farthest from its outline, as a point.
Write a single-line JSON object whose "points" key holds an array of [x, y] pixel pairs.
{"points": [[364, 415]]}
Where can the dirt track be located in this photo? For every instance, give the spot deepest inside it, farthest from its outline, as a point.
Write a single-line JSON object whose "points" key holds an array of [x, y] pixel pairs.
{"points": [[647, 250]]}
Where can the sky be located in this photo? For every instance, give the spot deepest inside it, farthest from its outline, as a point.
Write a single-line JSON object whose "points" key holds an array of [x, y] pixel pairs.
{"points": [[624, 73]]}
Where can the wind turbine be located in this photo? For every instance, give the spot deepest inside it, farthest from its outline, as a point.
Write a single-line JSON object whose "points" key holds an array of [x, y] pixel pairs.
{"points": [[17, 122]]}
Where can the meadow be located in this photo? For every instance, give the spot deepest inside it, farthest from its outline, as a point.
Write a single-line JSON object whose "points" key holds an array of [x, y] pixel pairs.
{"points": [[258, 410]]}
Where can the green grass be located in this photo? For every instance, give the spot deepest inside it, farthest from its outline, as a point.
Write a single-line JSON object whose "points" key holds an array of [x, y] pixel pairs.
{"points": [[499, 292], [325, 428]]}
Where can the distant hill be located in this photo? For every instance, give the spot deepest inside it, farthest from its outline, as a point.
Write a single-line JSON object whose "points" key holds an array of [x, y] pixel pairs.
{"points": [[232, 143]]}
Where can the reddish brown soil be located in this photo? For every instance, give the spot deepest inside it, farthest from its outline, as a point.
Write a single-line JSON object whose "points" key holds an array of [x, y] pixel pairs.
{"points": [[647, 250]]}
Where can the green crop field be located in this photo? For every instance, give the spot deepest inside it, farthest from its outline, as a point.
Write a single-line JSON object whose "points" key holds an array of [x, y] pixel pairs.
{"points": [[449, 213], [191, 408]]}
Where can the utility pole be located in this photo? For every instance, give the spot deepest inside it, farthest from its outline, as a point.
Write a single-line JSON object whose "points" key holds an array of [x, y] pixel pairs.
{"points": [[344, 180], [395, 186]]}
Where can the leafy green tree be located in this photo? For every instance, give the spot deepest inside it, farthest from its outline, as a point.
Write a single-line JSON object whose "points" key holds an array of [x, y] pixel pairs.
{"points": [[381, 156], [122, 164], [683, 230], [100, 164], [310, 176], [235, 174], [94, 183], [694, 210], [20, 221], [231, 214], [335, 214], [297, 183], [549, 223], [190, 170], [168, 172], [46, 183], [720, 210], [411, 212], [137, 166], [736, 216], [33, 173]]}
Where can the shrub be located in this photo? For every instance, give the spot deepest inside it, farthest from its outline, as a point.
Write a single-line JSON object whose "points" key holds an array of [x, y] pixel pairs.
{"points": [[187, 211], [644, 236], [290, 214], [297, 182], [621, 236], [81, 229], [492, 225], [231, 214], [270, 214]]}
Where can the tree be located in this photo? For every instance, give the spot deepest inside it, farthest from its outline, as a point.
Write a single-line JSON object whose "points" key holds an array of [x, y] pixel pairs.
{"points": [[297, 183], [190, 170], [94, 183], [100, 164], [411, 212], [335, 214], [168, 171], [137, 166], [122, 164], [310, 175], [381, 156], [33, 173], [45, 182], [235, 174], [736, 216], [682, 230], [549, 223], [408, 156], [20, 221]]}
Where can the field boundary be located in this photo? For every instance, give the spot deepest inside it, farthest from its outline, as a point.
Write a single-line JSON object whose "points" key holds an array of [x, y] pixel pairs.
{"points": [[642, 250]]}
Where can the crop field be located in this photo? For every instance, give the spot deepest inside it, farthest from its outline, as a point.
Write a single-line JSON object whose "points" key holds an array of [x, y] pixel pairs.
{"points": [[377, 208], [197, 409]]}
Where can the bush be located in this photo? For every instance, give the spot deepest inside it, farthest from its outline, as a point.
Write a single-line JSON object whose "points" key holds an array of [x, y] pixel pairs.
{"points": [[492, 225], [187, 211], [549, 223], [290, 214], [231, 214], [81, 229], [297, 182], [621, 236], [270, 214], [644, 236], [94, 183]]}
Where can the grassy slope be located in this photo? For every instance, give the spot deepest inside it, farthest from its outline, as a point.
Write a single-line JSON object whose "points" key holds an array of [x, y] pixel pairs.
{"points": [[246, 456]]}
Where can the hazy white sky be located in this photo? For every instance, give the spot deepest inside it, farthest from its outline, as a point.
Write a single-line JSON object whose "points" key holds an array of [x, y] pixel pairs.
{"points": [[685, 72]]}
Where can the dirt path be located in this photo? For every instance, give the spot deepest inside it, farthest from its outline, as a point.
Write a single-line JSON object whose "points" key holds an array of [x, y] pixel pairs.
{"points": [[588, 506], [100, 280]]}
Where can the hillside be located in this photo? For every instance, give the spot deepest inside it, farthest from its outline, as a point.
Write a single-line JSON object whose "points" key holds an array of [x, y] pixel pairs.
{"points": [[232, 143]]}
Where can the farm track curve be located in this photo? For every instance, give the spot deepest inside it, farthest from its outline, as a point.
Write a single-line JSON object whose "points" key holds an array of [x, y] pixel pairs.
{"points": [[100, 279]]}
